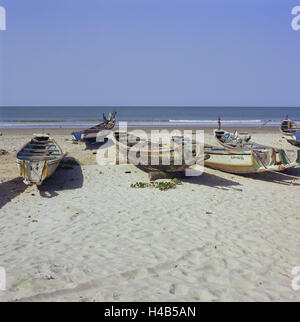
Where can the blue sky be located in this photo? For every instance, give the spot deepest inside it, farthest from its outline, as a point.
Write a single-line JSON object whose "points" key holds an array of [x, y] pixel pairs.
{"points": [[150, 52]]}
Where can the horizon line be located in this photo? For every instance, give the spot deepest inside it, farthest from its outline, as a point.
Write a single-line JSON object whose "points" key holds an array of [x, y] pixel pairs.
{"points": [[142, 106]]}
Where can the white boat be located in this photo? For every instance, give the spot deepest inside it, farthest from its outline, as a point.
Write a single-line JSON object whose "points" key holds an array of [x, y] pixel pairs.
{"points": [[38, 159]]}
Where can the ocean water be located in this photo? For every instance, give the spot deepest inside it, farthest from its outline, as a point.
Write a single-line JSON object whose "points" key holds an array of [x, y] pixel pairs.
{"points": [[84, 116]]}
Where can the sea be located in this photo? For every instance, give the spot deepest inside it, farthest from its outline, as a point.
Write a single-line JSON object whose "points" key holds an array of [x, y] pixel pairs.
{"points": [[144, 116]]}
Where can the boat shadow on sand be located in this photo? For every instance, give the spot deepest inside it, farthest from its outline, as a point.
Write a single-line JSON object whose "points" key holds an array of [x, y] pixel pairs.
{"points": [[94, 145], [68, 176], [288, 177], [203, 179], [213, 181], [10, 190]]}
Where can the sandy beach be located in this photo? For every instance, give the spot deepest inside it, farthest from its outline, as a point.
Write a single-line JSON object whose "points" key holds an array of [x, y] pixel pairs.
{"points": [[85, 235]]}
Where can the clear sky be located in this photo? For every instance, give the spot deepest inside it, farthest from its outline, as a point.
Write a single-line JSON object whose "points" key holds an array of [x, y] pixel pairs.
{"points": [[150, 52]]}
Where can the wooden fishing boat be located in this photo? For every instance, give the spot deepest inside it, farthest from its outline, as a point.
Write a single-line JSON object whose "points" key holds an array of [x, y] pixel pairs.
{"points": [[247, 161], [238, 140], [291, 132], [157, 156], [38, 159], [250, 157], [90, 135], [241, 142]]}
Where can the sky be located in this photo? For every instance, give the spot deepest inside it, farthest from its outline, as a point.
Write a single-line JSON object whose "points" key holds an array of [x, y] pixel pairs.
{"points": [[149, 53]]}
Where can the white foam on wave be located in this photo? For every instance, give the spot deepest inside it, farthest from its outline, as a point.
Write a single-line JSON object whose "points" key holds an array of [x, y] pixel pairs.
{"points": [[215, 121], [136, 123]]}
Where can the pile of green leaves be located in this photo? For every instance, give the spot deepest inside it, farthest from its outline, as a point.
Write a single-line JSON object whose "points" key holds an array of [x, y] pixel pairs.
{"points": [[161, 185]]}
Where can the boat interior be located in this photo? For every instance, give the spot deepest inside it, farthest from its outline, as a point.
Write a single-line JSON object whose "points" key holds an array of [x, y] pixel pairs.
{"points": [[40, 148], [133, 140], [237, 142]]}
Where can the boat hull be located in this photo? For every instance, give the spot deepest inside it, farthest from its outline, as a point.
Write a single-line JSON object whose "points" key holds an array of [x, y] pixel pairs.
{"points": [[243, 162], [173, 156], [38, 159], [36, 172], [293, 141]]}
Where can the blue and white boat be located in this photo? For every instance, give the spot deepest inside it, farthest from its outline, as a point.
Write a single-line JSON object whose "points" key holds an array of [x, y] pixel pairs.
{"points": [[90, 135], [291, 131]]}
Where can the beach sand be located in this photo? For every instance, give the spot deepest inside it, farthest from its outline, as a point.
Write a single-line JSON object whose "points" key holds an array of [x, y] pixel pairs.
{"points": [[85, 235]]}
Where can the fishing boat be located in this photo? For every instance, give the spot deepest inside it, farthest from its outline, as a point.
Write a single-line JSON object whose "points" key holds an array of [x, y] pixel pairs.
{"points": [[156, 156], [90, 135], [241, 155], [291, 132], [237, 140], [38, 159], [241, 141], [248, 161]]}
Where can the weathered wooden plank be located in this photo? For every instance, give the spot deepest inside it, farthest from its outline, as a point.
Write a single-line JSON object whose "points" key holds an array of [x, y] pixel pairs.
{"points": [[155, 175]]}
